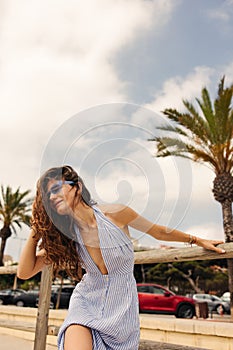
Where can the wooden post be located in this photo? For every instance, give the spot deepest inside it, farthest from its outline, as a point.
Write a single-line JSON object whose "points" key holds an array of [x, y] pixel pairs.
{"points": [[15, 282], [43, 309]]}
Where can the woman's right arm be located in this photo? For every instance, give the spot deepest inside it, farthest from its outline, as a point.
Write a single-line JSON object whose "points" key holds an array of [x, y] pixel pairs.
{"points": [[31, 262]]}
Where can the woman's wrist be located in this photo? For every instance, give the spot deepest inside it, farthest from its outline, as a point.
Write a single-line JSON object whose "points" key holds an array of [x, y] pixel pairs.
{"points": [[193, 240]]}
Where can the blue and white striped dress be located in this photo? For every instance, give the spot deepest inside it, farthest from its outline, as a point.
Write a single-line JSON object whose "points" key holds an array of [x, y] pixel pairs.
{"points": [[107, 304]]}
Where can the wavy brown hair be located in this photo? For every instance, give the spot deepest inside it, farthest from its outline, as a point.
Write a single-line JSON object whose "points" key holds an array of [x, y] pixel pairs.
{"points": [[56, 232]]}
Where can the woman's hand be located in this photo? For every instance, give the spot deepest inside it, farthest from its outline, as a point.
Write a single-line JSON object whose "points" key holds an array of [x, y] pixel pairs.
{"points": [[210, 244]]}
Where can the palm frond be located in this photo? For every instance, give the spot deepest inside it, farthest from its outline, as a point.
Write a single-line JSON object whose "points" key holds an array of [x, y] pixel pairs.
{"points": [[15, 207], [167, 146], [17, 223], [13, 229], [202, 124], [221, 86], [208, 113], [192, 124], [205, 136], [175, 129], [224, 114]]}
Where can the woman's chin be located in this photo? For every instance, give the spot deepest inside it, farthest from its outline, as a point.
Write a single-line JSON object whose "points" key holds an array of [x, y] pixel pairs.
{"points": [[63, 210]]}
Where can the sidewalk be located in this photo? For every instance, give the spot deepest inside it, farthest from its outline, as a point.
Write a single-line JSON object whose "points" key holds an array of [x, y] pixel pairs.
{"points": [[17, 329], [9, 342]]}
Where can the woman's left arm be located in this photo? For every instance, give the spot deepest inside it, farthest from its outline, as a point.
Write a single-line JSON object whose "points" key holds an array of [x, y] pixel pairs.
{"points": [[128, 216]]}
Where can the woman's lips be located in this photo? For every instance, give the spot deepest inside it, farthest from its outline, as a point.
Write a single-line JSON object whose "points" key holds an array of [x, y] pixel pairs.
{"points": [[56, 205]]}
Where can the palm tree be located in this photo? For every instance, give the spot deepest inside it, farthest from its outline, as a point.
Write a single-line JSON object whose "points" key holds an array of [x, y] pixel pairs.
{"points": [[14, 208], [205, 135]]}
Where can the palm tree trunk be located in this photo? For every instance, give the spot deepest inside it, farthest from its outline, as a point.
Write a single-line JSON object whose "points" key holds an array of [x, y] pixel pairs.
{"points": [[2, 248], [228, 230], [227, 220], [5, 233], [230, 282]]}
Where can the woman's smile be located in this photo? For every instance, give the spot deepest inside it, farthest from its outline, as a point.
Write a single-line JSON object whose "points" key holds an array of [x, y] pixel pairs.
{"points": [[61, 206], [57, 203]]}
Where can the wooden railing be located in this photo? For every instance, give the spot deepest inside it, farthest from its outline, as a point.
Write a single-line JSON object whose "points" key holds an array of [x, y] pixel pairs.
{"points": [[182, 254], [144, 257]]}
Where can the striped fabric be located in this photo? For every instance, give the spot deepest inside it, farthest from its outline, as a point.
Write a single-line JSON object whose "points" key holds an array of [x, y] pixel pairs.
{"points": [[107, 304]]}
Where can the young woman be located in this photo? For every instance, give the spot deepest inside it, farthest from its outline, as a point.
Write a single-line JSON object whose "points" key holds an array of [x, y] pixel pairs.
{"points": [[73, 233]]}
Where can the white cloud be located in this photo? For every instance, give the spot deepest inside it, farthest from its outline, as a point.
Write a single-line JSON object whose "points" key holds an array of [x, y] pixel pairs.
{"points": [[95, 27], [209, 230], [177, 88], [223, 12], [202, 183], [218, 14], [56, 60], [228, 72]]}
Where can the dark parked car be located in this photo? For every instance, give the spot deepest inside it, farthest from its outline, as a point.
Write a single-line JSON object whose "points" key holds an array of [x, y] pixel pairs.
{"points": [[7, 295], [62, 294], [154, 298], [215, 304], [26, 298], [65, 294]]}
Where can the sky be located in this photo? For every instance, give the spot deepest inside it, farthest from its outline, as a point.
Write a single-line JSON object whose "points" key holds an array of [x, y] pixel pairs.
{"points": [[85, 84]]}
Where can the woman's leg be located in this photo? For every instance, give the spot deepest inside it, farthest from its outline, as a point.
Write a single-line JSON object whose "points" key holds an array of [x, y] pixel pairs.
{"points": [[78, 337]]}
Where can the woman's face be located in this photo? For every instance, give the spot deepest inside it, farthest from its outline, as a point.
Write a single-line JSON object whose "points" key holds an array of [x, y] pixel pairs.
{"points": [[61, 196]]}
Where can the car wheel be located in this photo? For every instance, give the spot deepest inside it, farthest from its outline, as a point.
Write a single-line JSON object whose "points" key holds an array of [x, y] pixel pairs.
{"points": [[220, 310], [1, 302], [185, 311], [19, 303]]}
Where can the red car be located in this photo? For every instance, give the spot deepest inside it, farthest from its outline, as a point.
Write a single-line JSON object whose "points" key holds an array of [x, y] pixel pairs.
{"points": [[154, 298]]}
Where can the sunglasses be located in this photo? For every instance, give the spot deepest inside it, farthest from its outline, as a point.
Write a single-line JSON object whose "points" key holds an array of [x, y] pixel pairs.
{"points": [[58, 186]]}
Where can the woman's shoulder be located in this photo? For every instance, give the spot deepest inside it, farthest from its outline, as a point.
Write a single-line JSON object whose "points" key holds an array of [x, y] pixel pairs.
{"points": [[111, 209], [119, 212]]}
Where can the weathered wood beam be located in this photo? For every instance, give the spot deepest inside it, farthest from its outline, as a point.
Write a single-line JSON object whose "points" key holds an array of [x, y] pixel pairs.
{"points": [[166, 255], [8, 270], [181, 254]]}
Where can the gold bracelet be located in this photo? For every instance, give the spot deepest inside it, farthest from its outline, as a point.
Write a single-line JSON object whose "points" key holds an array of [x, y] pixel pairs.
{"points": [[192, 240]]}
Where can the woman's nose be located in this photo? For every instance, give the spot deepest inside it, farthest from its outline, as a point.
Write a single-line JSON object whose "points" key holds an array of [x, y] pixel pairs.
{"points": [[52, 195]]}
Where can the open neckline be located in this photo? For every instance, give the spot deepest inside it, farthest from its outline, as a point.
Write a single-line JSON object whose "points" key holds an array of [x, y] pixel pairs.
{"points": [[99, 239]]}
